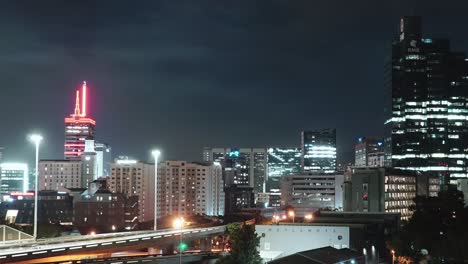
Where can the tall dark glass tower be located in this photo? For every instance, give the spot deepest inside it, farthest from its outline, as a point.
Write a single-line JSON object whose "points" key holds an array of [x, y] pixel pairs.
{"points": [[426, 105], [318, 151]]}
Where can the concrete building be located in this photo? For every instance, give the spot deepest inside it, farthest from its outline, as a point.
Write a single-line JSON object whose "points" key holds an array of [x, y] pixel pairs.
{"points": [[59, 175], [103, 159], [363, 232], [14, 177], [385, 190], [237, 198], [281, 240], [89, 171], [328, 255], [132, 177], [306, 192], [99, 210], [186, 189], [254, 163], [462, 186], [369, 152], [53, 207], [318, 150]]}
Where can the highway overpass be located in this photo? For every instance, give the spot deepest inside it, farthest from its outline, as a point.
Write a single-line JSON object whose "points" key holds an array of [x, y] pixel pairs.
{"points": [[103, 243]]}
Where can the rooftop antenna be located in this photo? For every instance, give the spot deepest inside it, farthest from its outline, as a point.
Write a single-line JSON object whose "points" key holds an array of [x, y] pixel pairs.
{"points": [[77, 104]]}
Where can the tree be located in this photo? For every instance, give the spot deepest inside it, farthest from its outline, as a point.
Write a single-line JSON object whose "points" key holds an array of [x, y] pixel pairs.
{"points": [[244, 243], [439, 225]]}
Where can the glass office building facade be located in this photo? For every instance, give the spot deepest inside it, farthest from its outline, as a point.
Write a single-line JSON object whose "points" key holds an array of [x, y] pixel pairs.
{"points": [[281, 162], [426, 105], [318, 151]]}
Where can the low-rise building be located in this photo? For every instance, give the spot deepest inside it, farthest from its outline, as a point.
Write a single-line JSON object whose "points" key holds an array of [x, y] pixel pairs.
{"points": [[312, 191], [99, 210], [14, 177], [385, 190], [53, 208]]}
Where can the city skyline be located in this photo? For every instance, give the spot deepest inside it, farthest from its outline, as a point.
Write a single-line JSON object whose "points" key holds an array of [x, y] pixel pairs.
{"points": [[154, 81]]}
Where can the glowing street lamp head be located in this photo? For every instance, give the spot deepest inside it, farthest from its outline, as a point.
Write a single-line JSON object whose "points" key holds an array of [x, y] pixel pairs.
{"points": [[178, 223], [156, 153], [291, 213], [35, 138]]}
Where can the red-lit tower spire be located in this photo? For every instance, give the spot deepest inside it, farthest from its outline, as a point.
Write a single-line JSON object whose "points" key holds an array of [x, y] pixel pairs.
{"points": [[78, 127], [77, 104]]}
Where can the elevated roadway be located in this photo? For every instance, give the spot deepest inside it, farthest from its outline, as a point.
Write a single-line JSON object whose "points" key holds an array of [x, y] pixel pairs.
{"points": [[11, 252]]}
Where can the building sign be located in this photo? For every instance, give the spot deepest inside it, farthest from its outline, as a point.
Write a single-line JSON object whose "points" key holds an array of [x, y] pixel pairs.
{"points": [[413, 46], [234, 153]]}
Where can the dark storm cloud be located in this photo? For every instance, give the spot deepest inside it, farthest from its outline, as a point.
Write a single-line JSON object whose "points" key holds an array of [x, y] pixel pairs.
{"points": [[183, 74]]}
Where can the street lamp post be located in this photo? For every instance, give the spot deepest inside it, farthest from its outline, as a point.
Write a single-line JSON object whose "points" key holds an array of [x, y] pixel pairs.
{"points": [[36, 139], [178, 224], [156, 153], [393, 256]]}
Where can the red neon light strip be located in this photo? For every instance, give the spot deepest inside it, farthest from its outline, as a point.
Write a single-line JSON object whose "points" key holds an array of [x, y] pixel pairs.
{"points": [[83, 100], [80, 120], [74, 145]]}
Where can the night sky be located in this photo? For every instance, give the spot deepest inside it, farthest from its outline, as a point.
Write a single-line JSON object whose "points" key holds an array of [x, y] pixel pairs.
{"points": [[183, 74]]}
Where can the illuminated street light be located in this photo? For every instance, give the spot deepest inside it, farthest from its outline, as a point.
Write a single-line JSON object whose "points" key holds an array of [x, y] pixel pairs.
{"points": [[308, 217], [393, 256], [178, 224], [156, 153], [36, 139], [276, 218], [292, 214]]}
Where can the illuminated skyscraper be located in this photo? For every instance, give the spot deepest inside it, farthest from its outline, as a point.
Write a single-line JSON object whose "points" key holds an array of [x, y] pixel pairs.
{"points": [[426, 108], [281, 162], [78, 128], [319, 151]]}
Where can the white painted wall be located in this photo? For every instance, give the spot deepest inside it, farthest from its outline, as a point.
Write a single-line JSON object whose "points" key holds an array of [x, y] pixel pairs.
{"points": [[283, 240]]}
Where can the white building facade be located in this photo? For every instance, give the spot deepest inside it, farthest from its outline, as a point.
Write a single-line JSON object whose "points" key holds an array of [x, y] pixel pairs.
{"points": [[312, 191], [60, 174], [186, 189], [132, 177]]}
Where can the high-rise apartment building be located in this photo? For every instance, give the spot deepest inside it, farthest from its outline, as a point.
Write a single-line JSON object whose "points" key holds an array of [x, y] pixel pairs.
{"points": [[13, 177], [253, 163], [369, 152], [318, 149], [426, 105], [60, 174], [78, 127], [186, 189], [132, 177]]}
